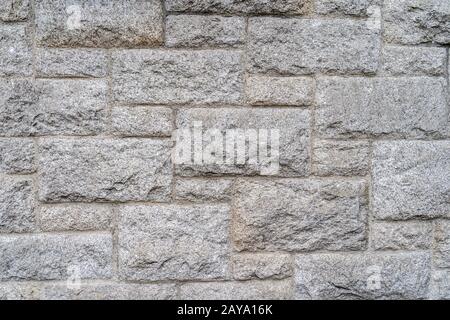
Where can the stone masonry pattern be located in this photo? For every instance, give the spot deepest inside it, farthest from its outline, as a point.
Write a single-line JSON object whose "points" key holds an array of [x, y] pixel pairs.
{"points": [[92, 205]]}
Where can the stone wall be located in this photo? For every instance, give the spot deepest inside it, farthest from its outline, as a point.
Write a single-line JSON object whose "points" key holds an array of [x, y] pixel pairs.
{"points": [[93, 206]]}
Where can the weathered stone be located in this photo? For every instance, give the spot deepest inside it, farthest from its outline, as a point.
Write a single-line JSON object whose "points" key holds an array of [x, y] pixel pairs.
{"points": [[440, 285], [167, 77], [14, 10], [141, 121], [411, 179], [300, 215], [261, 266], [104, 170], [55, 257], [202, 190], [239, 6], [248, 290], [74, 217], [393, 107], [363, 276], [16, 156], [402, 236], [305, 46], [347, 158], [417, 21], [414, 61], [280, 91], [97, 23], [294, 140], [18, 291], [15, 51], [442, 253], [83, 63], [204, 31], [358, 8], [173, 242], [109, 291], [50, 107], [17, 205]]}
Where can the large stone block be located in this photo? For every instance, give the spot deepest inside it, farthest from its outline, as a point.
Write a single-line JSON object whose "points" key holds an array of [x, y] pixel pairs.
{"points": [[104, 170], [393, 107], [402, 235], [97, 23], [203, 190], [355, 8], [55, 257], [305, 46], [411, 179], [17, 156], [442, 253], [173, 242], [300, 215], [15, 51], [248, 266], [14, 10], [50, 107], [363, 276], [168, 77]]}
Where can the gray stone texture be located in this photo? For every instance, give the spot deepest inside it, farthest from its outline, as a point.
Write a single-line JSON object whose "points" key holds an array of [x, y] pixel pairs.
{"points": [[440, 285], [248, 266], [17, 156], [14, 10], [402, 235], [203, 190], [19, 291], [356, 8], [15, 50], [442, 249]]}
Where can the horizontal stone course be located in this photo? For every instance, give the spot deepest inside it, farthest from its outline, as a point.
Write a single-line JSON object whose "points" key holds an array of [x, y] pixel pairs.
{"points": [[248, 266], [356, 8], [203, 190], [402, 236]]}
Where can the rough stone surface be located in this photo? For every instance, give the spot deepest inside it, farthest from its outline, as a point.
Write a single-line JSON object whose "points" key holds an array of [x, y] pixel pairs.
{"points": [[142, 121], [402, 236], [15, 50], [294, 131], [14, 10], [204, 31], [75, 217], [345, 158], [379, 107], [280, 91], [52, 107], [203, 190], [17, 156], [363, 276], [104, 170], [84, 63], [17, 205], [174, 242], [167, 77], [261, 266], [305, 46], [358, 8], [250, 290], [87, 23], [440, 285], [417, 21], [442, 254], [18, 291], [55, 257], [411, 179], [320, 215]]}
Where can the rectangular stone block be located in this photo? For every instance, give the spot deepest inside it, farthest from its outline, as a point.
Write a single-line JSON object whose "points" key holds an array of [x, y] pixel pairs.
{"points": [[440, 285], [17, 205], [18, 291], [204, 31], [411, 179], [362, 276], [85, 170], [402, 236], [55, 257], [247, 290], [203, 190], [346, 158], [52, 107], [284, 46], [442, 249], [239, 6], [138, 121], [354, 8], [295, 91], [381, 107], [14, 10], [417, 21], [173, 242], [75, 217], [254, 266], [169, 77], [96, 23], [15, 51], [84, 63], [300, 215], [294, 138], [17, 156], [427, 61]]}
